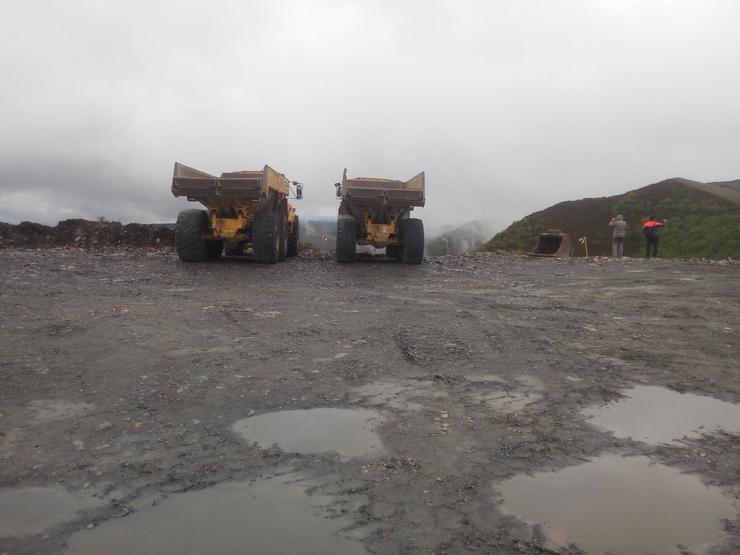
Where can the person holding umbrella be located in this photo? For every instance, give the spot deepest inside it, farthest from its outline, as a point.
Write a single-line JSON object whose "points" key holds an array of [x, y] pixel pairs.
{"points": [[650, 230]]}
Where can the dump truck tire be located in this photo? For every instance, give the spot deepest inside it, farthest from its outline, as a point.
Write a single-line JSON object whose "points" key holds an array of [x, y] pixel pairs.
{"points": [[412, 231], [283, 237], [346, 239], [191, 226], [266, 237], [293, 239], [214, 249]]}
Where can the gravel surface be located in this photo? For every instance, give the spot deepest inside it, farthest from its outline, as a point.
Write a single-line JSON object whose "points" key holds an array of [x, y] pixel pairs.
{"points": [[124, 372]]}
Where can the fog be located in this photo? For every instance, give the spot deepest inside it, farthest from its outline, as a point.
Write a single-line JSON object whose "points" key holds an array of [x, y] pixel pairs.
{"points": [[509, 106]]}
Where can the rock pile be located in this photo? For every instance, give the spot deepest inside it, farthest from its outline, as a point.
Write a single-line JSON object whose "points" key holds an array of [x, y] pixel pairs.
{"points": [[85, 234]]}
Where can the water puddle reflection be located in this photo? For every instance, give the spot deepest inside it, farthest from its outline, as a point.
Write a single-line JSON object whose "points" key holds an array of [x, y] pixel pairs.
{"points": [[347, 432], [271, 517], [657, 415], [622, 505], [32, 510]]}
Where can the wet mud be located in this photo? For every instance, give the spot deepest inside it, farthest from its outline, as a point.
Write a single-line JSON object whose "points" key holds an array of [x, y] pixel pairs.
{"points": [[419, 409]]}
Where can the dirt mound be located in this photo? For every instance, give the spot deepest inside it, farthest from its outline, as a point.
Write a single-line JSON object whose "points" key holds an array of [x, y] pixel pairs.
{"points": [[85, 234]]}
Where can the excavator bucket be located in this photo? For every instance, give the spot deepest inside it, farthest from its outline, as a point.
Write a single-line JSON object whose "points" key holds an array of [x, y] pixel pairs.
{"points": [[553, 243]]}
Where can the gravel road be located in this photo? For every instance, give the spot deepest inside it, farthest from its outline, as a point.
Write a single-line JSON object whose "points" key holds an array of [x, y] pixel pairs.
{"points": [[124, 373]]}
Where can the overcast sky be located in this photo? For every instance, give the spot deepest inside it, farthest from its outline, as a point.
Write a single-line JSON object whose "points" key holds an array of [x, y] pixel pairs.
{"points": [[508, 105]]}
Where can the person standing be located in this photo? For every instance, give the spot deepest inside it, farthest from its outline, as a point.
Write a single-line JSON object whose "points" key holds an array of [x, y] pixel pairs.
{"points": [[619, 230], [650, 230]]}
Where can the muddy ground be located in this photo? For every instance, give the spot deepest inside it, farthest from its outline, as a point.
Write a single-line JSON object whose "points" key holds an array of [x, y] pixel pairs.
{"points": [[123, 373]]}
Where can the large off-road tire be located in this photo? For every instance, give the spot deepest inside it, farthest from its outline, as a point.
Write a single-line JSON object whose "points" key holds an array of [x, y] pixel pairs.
{"points": [[283, 236], [346, 239], [395, 252], [412, 231], [214, 249], [293, 239], [266, 237], [191, 227]]}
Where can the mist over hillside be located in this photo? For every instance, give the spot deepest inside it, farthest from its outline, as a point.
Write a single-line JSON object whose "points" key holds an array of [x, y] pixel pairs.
{"points": [[465, 238], [312, 230]]}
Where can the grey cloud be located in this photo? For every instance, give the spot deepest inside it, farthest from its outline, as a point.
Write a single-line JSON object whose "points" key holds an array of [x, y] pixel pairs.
{"points": [[509, 105]]}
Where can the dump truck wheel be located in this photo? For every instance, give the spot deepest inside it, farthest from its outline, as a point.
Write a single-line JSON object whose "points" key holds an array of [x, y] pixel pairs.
{"points": [[346, 239], [214, 249], [283, 237], [293, 239], [191, 226], [266, 237], [412, 231]]}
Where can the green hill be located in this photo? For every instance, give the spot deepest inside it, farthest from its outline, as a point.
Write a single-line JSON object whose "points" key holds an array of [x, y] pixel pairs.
{"points": [[703, 221]]}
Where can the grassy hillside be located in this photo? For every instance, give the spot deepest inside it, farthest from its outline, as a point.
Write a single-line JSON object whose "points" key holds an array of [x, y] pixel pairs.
{"points": [[701, 222], [725, 189]]}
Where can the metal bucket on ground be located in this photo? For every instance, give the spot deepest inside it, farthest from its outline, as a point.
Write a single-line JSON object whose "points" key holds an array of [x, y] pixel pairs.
{"points": [[553, 243]]}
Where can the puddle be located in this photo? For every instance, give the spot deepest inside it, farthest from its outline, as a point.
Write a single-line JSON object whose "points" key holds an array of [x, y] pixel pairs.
{"points": [[267, 517], [348, 432], [621, 505], [32, 510], [657, 415]]}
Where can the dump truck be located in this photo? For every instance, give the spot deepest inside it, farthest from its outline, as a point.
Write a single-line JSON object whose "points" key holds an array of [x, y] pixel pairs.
{"points": [[244, 210], [376, 212]]}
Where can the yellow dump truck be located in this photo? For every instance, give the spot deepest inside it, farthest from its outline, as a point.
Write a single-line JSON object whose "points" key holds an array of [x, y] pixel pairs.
{"points": [[245, 210], [377, 212]]}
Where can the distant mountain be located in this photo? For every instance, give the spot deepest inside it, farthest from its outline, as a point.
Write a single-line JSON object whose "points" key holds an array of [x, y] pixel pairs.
{"points": [[466, 238], [703, 221]]}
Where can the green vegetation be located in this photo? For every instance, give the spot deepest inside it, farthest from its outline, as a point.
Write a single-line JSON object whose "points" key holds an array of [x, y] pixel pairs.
{"points": [[700, 224], [520, 237]]}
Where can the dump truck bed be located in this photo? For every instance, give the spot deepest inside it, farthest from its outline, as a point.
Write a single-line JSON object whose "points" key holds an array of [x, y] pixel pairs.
{"points": [[373, 191], [235, 187]]}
